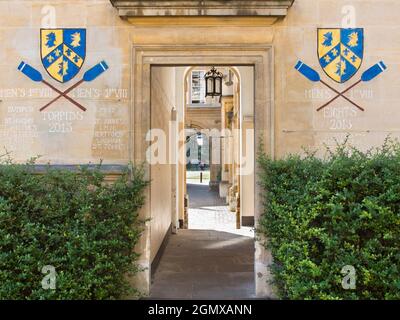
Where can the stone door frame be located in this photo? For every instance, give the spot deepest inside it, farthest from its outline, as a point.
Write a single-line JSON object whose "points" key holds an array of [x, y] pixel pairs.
{"points": [[261, 57]]}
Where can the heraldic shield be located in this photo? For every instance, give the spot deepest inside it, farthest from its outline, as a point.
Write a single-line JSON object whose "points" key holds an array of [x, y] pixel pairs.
{"points": [[63, 52], [340, 52]]}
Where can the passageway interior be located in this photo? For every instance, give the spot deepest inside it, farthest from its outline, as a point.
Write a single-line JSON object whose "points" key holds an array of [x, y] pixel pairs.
{"points": [[210, 253], [211, 259]]}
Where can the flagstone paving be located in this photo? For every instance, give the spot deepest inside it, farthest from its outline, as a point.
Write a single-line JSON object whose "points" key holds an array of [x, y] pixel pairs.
{"points": [[212, 260]]}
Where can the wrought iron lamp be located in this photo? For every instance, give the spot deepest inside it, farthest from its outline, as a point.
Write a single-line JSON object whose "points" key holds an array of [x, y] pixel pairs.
{"points": [[213, 83]]}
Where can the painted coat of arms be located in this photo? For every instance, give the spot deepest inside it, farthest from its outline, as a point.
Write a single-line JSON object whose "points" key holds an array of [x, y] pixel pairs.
{"points": [[340, 52], [63, 52]]}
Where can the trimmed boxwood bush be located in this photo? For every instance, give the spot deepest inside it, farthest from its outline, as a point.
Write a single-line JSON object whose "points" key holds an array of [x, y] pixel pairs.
{"points": [[74, 221], [323, 214]]}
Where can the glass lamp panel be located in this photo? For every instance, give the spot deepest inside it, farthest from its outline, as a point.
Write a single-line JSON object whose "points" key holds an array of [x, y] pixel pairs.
{"points": [[218, 86], [210, 86]]}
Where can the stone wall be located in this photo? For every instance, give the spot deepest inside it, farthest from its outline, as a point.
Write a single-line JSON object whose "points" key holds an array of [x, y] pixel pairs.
{"points": [[163, 100], [296, 98], [63, 134]]}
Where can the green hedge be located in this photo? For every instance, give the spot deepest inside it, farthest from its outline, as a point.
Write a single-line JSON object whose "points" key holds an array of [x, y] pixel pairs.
{"points": [[74, 221], [322, 215]]}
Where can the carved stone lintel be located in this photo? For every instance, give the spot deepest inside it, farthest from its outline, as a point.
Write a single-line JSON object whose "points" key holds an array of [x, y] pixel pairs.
{"points": [[205, 8]]}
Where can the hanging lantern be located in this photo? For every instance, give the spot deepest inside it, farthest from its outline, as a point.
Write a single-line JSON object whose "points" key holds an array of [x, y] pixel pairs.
{"points": [[200, 140], [213, 83]]}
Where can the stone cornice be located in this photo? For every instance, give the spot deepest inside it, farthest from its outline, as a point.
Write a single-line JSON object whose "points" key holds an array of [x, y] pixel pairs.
{"points": [[205, 8]]}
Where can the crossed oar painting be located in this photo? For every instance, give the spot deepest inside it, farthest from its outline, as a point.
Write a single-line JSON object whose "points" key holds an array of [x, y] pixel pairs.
{"points": [[367, 75], [63, 53], [340, 54]]}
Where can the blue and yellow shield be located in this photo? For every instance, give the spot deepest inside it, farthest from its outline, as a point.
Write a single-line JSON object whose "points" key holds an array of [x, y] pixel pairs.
{"points": [[340, 52], [63, 52]]}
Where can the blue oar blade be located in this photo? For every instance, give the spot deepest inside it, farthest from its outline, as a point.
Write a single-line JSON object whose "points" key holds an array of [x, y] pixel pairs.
{"points": [[94, 72], [307, 71], [373, 72], [30, 72]]}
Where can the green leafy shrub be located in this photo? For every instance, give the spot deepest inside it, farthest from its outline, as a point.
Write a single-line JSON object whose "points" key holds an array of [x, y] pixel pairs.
{"points": [[323, 214], [74, 221]]}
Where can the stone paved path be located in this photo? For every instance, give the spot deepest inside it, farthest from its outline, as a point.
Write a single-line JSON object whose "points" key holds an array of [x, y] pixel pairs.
{"points": [[200, 195], [210, 261]]}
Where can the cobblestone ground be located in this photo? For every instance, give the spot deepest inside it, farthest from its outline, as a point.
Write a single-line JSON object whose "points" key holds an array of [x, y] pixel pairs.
{"points": [[211, 260]]}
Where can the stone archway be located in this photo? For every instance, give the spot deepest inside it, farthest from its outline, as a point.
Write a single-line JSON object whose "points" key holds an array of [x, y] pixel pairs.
{"points": [[148, 56]]}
